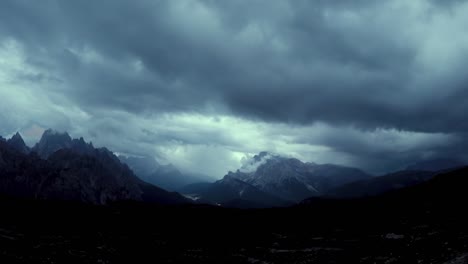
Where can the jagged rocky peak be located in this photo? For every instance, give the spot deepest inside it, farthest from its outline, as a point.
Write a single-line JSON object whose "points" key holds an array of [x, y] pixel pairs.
{"points": [[51, 141], [18, 144], [80, 146], [51, 136], [17, 136]]}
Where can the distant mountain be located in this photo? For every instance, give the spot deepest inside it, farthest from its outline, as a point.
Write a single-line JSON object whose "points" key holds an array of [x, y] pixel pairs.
{"points": [[436, 165], [141, 166], [73, 170], [17, 143], [165, 176], [195, 188], [269, 180], [380, 185], [169, 177], [293, 180], [232, 192]]}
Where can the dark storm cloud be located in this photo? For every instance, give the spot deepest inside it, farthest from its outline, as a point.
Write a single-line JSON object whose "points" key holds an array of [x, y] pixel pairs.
{"points": [[339, 62], [364, 64]]}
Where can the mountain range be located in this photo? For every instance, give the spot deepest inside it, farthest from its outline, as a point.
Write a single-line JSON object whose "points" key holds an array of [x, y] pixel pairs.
{"points": [[61, 168]]}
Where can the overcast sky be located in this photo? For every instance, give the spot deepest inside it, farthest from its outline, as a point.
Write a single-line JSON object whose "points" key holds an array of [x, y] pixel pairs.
{"points": [[203, 83]]}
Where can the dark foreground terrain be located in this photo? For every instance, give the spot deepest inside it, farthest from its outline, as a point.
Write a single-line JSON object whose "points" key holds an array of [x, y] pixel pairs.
{"points": [[374, 231], [421, 224]]}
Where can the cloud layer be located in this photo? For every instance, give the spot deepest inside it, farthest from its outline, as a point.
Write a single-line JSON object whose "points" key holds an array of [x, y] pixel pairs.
{"points": [[202, 83]]}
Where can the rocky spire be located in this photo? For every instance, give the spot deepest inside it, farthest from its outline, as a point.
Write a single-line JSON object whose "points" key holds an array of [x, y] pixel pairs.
{"points": [[51, 141], [17, 143]]}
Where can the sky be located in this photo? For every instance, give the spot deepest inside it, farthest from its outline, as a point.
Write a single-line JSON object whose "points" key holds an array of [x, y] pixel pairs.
{"points": [[203, 84]]}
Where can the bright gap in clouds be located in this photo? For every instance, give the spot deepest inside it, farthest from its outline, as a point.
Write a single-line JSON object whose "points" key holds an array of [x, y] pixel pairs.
{"points": [[214, 145]]}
